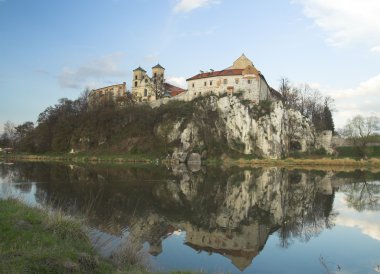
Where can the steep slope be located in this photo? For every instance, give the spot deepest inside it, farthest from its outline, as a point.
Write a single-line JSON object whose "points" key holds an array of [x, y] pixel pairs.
{"points": [[228, 124]]}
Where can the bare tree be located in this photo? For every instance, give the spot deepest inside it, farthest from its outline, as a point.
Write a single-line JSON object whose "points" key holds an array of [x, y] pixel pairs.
{"points": [[289, 94], [157, 86], [10, 133], [309, 102], [359, 130]]}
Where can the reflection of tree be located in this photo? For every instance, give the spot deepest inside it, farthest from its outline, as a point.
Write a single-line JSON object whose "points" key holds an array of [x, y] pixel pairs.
{"points": [[363, 194], [228, 212], [306, 211]]}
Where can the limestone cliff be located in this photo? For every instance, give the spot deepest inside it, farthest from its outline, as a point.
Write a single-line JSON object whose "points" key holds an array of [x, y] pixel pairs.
{"points": [[230, 123]]}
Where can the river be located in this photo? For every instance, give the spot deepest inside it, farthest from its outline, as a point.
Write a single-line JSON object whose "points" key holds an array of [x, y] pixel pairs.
{"points": [[215, 219]]}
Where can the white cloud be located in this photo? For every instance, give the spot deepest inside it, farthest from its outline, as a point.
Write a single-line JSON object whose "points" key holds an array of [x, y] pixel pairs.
{"points": [[177, 81], [90, 73], [376, 49], [189, 5], [363, 100], [367, 227], [366, 221], [346, 21]]}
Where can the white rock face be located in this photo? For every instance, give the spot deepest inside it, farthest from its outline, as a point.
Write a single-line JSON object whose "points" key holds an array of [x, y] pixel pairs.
{"points": [[267, 130]]}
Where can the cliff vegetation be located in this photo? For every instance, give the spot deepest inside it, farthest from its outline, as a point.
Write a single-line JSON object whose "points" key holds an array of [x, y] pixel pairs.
{"points": [[210, 126]]}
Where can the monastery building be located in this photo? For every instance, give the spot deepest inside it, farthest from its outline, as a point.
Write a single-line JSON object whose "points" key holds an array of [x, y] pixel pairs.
{"points": [[242, 77]]}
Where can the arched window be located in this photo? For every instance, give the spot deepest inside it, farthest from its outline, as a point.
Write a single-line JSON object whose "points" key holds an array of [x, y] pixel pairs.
{"points": [[136, 84], [145, 92]]}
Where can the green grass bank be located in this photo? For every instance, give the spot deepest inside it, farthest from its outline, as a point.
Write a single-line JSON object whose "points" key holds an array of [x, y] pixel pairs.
{"points": [[34, 240]]}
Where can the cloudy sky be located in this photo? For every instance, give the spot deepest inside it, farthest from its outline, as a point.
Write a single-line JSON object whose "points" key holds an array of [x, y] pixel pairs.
{"points": [[52, 49]]}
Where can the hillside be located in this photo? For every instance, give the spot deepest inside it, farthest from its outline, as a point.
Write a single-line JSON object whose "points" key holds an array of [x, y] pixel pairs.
{"points": [[210, 126]]}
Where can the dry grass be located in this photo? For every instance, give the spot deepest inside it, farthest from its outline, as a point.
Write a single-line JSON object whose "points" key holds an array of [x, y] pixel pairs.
{"points": [[344, 164], [131, 254]]}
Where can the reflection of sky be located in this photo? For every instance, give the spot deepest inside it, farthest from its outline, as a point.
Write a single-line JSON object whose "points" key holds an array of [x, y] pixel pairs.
{"points": [[11, 190], [346, 245], [367, 221]]}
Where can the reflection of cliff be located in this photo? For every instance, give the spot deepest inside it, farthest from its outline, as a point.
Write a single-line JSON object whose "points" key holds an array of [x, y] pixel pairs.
{"points": [[230, 212]]}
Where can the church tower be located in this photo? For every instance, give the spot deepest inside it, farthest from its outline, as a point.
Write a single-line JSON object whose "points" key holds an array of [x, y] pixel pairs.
{"points": [[138, 76], [158, 73]]}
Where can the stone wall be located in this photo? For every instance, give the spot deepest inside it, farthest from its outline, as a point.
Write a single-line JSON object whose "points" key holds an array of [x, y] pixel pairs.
{"points": [[107, 93]]}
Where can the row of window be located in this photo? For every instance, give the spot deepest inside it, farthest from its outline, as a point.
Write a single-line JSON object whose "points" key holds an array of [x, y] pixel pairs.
{"points": [[225, 82], [155, 75], [146, 81], [109, 94]]}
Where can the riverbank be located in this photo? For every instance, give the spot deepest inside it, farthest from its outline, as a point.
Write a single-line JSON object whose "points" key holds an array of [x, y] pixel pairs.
{"points": [[311, 162], [34, 240], [334, 164], [81, 158]]}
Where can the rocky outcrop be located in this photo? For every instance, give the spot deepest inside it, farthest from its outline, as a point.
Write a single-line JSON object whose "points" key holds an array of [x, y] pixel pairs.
{"points": [[229, 123]]}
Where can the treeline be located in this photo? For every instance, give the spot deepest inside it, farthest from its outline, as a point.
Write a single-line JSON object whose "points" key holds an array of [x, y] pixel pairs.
{"points": [[310, 102], [52, 133], [74, 124]]}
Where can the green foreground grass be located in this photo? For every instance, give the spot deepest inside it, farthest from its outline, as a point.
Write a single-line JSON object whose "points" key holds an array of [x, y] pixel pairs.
{"points": [[33, 240]]}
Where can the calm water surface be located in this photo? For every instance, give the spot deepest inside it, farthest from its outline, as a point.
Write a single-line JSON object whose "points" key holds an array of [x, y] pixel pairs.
{"points": [[269, 220]]}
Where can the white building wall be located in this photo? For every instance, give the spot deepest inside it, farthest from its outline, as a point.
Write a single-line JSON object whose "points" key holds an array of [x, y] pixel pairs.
{"points": [[142, 86], [226, 84]]}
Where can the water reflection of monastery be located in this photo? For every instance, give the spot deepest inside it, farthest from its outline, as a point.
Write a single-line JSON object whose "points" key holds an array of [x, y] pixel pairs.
{"points": [[231, 213], [240, 247]]}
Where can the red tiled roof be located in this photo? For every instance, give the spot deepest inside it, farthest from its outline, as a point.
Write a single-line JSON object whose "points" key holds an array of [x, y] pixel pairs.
{"points": [[173, 90], [225, 72]]}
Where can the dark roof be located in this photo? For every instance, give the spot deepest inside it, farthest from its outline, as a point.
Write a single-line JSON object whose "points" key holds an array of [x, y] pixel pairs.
{"points": [[275, 93], [225, 72], [173, 90], [140, 68], [158, 66]]}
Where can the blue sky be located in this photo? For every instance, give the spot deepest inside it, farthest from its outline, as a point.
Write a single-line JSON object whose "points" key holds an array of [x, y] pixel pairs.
{"points": [[51, 49]]}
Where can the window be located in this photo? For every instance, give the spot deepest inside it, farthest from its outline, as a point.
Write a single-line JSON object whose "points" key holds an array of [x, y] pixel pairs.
{"points": [[155, 74], [193, 85], [136, 77], [145, 92], [146, 80], [205, 83], [249, 81], [236, 81], [225, 81], [136, 84], [210, 83]]}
